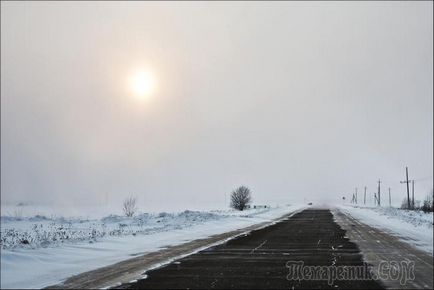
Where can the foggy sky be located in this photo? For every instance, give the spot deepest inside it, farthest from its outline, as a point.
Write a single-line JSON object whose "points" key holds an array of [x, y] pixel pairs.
{"points": [[297, 100]]}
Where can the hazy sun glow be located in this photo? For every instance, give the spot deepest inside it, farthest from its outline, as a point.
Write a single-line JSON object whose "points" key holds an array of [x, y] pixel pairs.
{"points": [[142, 83]]}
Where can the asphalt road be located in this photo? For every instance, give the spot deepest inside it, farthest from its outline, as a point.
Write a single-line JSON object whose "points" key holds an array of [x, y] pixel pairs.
{"points": [[262, 259]]}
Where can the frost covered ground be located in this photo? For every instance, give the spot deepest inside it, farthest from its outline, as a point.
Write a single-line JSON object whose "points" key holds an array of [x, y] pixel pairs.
{"points": [[413, 227], [40, 250], [41, 231]]}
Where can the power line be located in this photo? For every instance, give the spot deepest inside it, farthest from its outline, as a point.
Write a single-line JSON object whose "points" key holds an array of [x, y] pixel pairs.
{"points": [[423, 178]]}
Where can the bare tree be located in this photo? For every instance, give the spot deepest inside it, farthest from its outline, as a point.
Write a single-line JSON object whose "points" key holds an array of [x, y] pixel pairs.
{"points": [[240, 198], [129, 206]]}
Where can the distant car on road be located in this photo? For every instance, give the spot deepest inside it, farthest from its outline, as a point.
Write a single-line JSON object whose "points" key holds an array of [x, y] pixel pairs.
{"points": [[309, 203], [261, 206]]}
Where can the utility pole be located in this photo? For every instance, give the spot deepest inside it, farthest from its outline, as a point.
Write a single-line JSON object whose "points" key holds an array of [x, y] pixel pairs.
{"points": [[412, 193], [390, 199], [408, 187], [356, 195], [364, 197], [379, 193]]}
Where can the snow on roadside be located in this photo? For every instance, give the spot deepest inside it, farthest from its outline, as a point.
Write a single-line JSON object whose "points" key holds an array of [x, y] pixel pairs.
{"points": [[49, 258], [413, 227], [41, 231]]}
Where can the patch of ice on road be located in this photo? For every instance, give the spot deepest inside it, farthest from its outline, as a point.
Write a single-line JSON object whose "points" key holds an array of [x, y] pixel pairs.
{"points": [[413, 227]]}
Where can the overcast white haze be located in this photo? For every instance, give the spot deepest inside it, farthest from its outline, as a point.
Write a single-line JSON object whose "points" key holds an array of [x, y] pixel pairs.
{"points": [[297, 100]]}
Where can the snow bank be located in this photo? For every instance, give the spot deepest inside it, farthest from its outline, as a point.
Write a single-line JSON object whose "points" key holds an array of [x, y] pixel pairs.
{"points": [[413, 227], [58, 248], [41, 231]]}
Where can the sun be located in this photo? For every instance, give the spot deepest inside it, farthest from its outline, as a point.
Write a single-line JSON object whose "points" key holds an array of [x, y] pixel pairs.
{"points": [[142, 83]]}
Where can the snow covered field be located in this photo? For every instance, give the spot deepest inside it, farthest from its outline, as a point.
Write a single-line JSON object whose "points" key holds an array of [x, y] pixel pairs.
{"points": [[413, 227], [40, 231], [38, 251]]}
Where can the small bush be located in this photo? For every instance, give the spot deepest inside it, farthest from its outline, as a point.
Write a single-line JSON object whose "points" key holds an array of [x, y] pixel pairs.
{"points": [[427, 205], [129, 206]]}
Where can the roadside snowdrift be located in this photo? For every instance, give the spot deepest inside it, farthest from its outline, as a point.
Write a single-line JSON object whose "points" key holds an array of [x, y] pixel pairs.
{"points": [[41, 231], [413, 227]]}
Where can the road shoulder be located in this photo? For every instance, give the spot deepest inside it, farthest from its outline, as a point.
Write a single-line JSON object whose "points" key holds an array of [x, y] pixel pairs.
{"points": [[379, 247]]}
